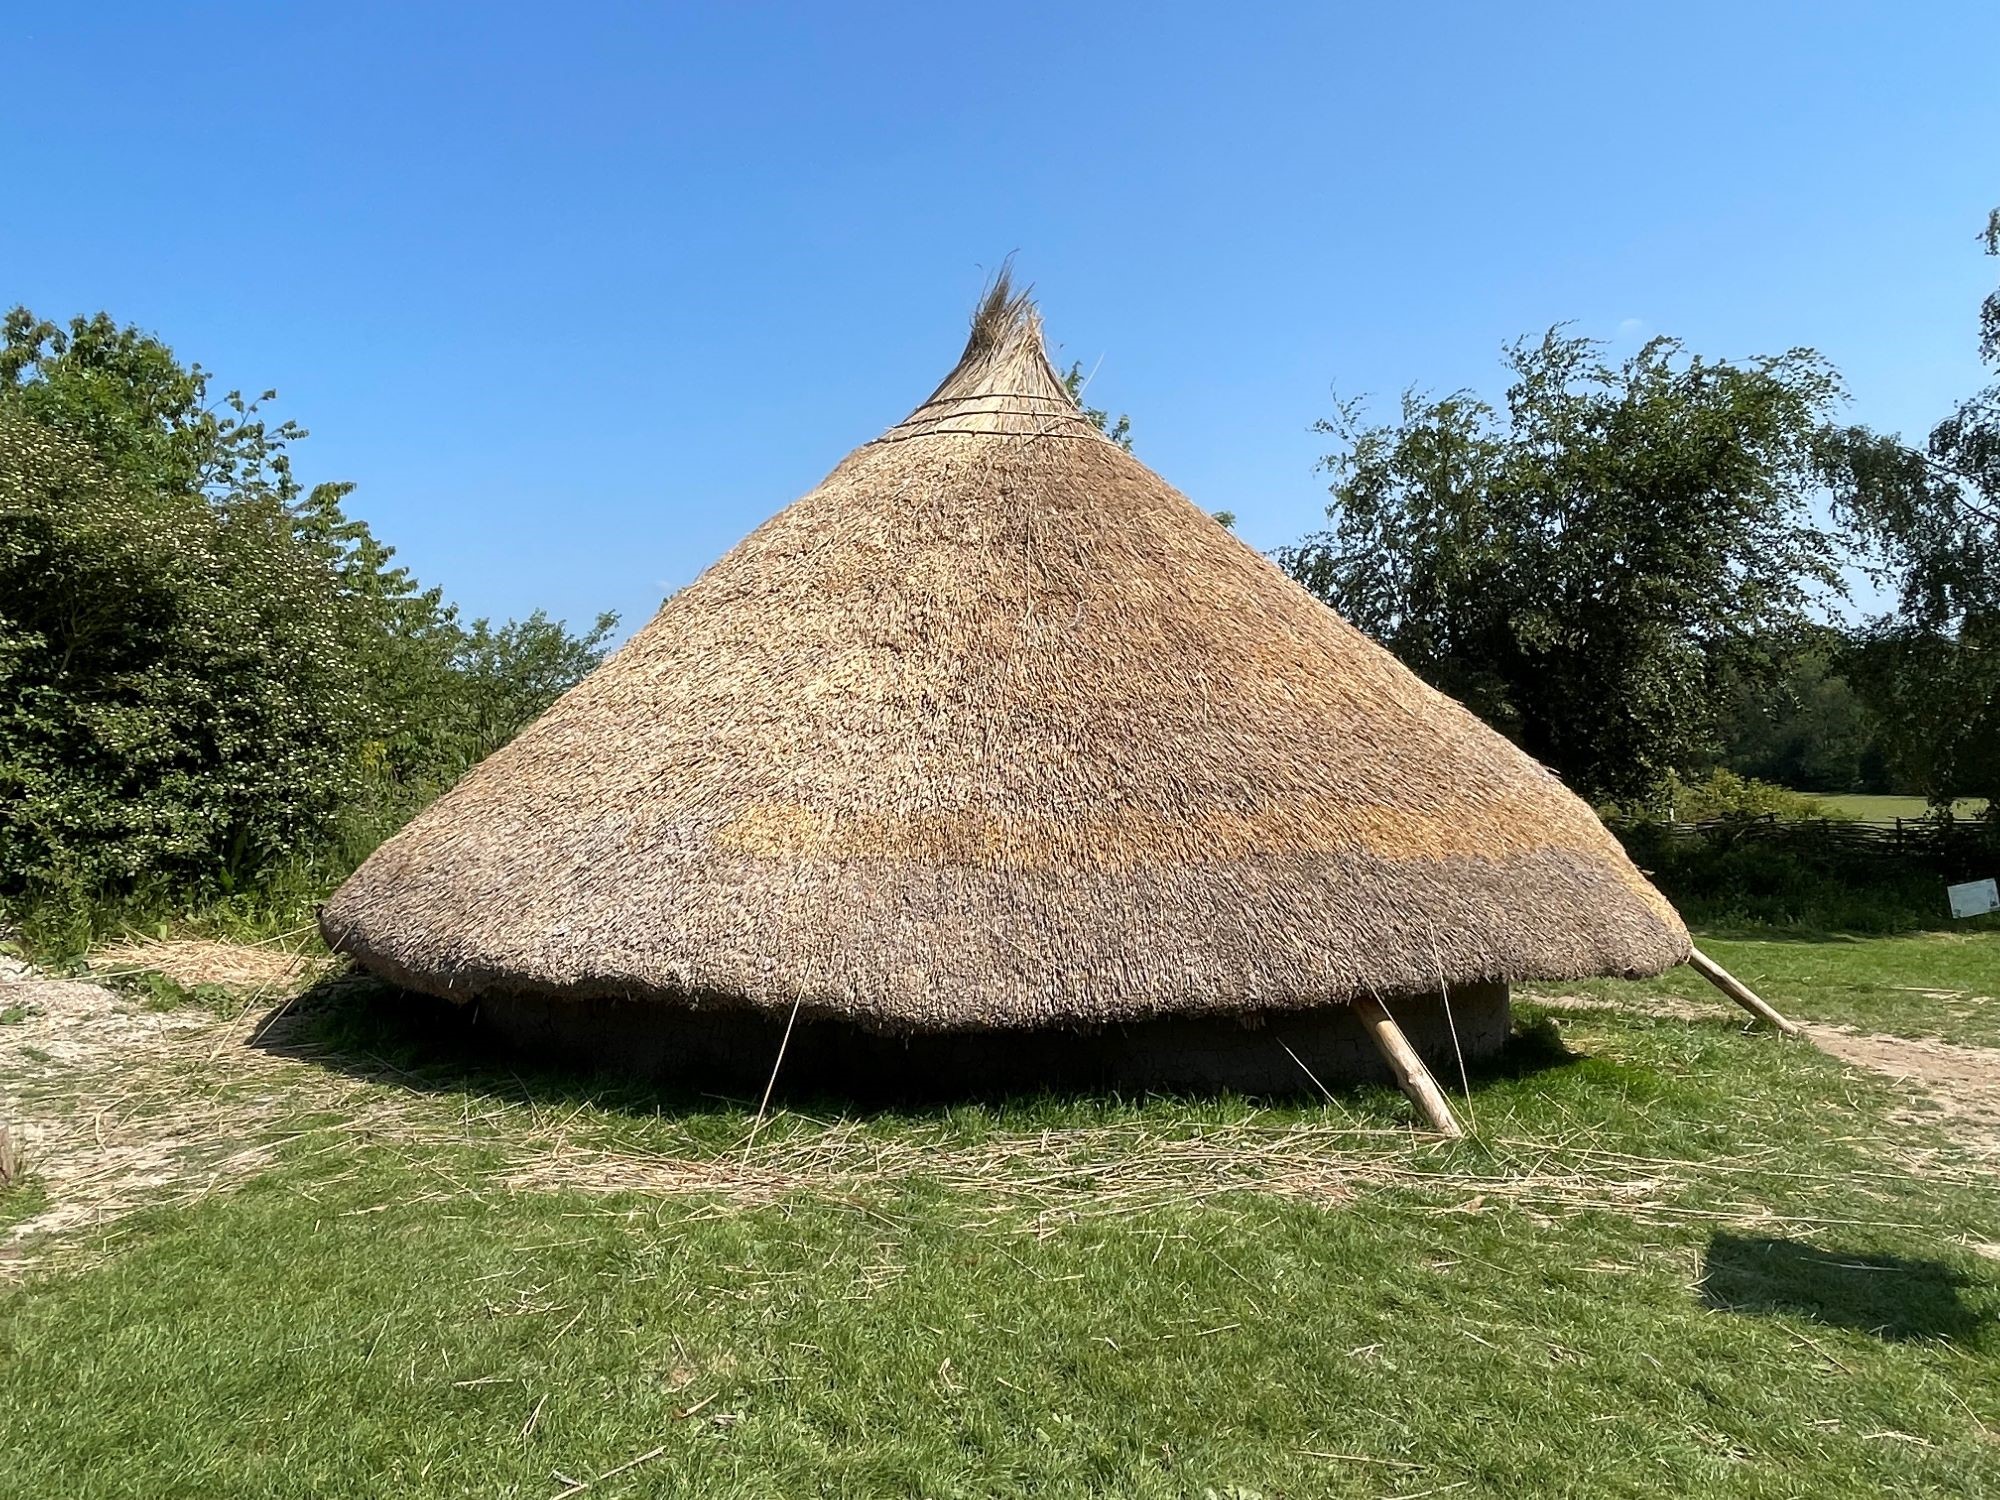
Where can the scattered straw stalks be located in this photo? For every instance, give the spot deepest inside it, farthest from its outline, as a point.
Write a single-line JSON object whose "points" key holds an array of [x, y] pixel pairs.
{"points": [[1045, 1181], [253, 970], [123, 1108]]}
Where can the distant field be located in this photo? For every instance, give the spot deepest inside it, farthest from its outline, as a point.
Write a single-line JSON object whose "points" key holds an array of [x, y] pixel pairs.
{"points": [[1887, 809]]}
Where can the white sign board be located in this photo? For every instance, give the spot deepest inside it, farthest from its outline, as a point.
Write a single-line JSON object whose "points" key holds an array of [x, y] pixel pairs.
{"points": [[1975, 899]]}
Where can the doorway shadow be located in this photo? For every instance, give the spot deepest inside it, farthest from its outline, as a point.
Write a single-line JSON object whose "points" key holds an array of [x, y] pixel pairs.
{"points": [[1901, 1299]]}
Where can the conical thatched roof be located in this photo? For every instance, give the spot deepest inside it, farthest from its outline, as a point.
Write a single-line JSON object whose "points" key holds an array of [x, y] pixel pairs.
{"points": [[996, 728]]}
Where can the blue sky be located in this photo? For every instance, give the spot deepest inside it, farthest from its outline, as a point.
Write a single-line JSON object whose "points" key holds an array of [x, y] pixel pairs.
{"points": [[580, 294]]}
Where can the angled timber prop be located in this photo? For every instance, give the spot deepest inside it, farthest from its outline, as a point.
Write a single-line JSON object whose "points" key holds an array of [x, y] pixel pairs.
{"points": [[996, 752], [1740, 992]]}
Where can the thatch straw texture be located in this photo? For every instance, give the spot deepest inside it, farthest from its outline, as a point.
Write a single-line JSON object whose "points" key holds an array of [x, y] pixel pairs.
{"points": [[995, 728]]}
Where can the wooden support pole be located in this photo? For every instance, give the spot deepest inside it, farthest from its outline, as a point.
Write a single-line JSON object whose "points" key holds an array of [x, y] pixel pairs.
{"points": [[1411, 1074], [1738, 991]]}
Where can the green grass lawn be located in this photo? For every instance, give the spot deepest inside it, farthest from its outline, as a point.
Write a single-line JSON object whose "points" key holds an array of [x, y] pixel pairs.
{"points": [[1932, 984], [1678, 1258], [1873, 809]]}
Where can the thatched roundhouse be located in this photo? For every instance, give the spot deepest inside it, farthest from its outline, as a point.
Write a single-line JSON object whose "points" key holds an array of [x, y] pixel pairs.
{"points": [[995, 738]]}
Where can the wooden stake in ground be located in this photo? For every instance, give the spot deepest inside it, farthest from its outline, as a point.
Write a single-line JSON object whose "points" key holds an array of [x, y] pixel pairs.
{"points": [[1738, 991], [1411, 1074]]}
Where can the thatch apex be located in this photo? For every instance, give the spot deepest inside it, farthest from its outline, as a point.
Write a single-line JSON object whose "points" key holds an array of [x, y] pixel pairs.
{"points": [[995, 728], [1004, 318], [1003, 382]]}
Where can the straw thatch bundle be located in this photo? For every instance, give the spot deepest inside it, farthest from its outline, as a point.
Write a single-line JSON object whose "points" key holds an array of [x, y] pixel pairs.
{"points": [[994, 729]]}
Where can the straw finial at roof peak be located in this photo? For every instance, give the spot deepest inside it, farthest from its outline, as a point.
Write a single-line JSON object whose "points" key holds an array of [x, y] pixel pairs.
{"points": [[1004, 371], [1004, 314]]}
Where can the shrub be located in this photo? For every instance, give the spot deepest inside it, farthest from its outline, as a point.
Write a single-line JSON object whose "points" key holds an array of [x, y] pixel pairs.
{"points": [[216, 688], [172, 702], [1721, 794], [1808, 879]]}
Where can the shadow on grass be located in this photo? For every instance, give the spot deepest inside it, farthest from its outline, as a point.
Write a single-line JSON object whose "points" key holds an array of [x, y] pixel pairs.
{"points": [[1535, 1050], [363, 1027], [354, 1024], [1893, 1297]]}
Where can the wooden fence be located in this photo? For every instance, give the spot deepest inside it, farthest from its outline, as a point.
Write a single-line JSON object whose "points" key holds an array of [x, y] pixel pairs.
{"points": [[1967, 848]]}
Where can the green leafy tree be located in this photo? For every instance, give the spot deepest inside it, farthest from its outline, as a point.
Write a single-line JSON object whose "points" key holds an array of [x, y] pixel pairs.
{"points": [[206, 670], [173, 700], [1795, 718], [146, 417], [439, 694], [1931, 519], [1581, 564], [1120, 432]]}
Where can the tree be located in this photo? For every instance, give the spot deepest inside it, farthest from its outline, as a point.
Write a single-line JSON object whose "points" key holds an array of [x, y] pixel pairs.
{"points": [[1931, 521], [206, 670], [1795, 719], [1583, 564], [173, 702], [146, 417], [1120, 432]]}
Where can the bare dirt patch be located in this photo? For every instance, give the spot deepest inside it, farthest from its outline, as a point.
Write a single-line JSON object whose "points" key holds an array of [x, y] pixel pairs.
{"points": [[1962, 1083], [96, 1143], [1951, 1086]]}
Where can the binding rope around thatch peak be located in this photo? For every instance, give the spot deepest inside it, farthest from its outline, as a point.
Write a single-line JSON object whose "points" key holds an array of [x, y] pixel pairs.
{"points": [[1003, 383]]}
